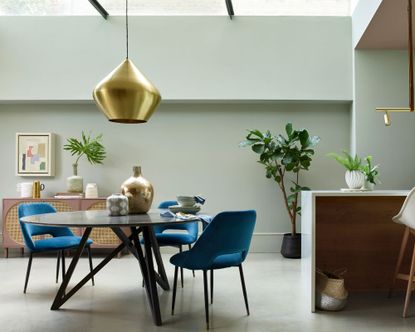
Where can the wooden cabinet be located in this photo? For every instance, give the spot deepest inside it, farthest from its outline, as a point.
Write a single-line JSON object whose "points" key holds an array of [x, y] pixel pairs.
{"points": [[12, 235]]}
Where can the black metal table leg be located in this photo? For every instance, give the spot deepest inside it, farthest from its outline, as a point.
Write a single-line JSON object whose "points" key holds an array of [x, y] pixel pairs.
{"points": [[161, 277], [152, 284], [59, 299]]}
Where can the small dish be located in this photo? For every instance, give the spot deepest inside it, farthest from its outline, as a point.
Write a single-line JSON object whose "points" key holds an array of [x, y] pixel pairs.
{"points": [[185, 209]]}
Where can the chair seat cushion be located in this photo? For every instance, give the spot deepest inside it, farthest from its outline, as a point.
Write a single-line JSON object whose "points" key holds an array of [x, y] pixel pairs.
{"points": [[173, 239], [227, 260], [59, 243]]}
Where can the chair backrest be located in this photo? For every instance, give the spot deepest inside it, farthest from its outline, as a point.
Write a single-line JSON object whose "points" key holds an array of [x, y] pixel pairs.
{"points": [[190, 227], [29, 230], [229, 233], [406, 215]]}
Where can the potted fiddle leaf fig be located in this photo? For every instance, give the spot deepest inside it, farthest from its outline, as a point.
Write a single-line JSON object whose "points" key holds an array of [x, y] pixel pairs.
{"points": [[284, 157], [91, 148]]}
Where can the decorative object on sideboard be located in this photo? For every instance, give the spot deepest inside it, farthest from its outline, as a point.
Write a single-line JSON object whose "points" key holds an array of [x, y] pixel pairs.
{"points": [[94, 151], [126, 95], [25, 189], [117, 205], [387, 110], [354, 176], [34, 154], [283, 155], [139, 192], [91, 190], [371, 174], [37, 188]]}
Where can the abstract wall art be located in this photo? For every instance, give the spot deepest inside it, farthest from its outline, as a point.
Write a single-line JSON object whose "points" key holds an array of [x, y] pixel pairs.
{"points": [[34, 153]]}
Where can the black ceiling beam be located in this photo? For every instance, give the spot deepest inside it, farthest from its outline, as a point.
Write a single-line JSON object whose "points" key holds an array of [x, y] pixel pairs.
{"points": [[229, 7], [99, 8]]}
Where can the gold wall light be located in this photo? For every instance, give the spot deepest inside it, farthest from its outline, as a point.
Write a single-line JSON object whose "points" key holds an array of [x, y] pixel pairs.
{"points": [[387, 110], [125, 95]]}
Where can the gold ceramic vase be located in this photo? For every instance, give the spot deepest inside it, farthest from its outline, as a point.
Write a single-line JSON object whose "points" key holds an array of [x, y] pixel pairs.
{"points": [[139, 192]]}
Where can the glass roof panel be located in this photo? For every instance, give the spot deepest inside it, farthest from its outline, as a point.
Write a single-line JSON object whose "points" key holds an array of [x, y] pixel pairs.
{"points": [[180, 7]]}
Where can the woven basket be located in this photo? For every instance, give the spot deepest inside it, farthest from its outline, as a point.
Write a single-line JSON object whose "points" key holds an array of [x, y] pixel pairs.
{"points": [[331, 293]]}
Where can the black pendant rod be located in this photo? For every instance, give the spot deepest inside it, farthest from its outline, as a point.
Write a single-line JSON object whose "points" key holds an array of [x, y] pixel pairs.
{"points": [[99, 8], [126, 25]]}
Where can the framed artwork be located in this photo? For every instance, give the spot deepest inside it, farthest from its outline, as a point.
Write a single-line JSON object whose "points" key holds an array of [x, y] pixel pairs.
{"points": [[35, 154]]}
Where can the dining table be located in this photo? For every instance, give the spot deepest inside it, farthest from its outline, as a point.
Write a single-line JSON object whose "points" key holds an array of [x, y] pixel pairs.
{"points": [[127, 229]]}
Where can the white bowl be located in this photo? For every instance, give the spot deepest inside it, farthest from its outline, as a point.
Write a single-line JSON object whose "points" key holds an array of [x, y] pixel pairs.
{"points": [[186, 201]]}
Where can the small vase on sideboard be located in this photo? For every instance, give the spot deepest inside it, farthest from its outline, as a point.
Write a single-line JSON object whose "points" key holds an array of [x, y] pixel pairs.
{"points": [[75, 183]]}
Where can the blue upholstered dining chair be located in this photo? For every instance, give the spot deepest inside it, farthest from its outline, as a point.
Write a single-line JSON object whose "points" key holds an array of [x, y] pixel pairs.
{"points": [[62, 238], [187, 235], [224, 243]]}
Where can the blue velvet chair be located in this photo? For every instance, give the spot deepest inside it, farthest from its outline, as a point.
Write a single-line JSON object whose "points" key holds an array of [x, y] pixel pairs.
{"points": [[62, 238], [224, 243], [176, 239]]}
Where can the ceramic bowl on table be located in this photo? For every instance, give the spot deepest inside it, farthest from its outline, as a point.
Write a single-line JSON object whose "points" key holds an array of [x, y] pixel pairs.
{"points": [[186, 201]]}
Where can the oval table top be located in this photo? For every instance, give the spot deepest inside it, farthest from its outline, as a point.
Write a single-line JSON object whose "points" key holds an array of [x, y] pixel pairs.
{"points": [[101, 218]]}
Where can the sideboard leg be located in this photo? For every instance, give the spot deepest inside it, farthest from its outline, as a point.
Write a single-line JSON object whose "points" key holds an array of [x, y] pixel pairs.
{"points": [[6, 252], [22, 252]]}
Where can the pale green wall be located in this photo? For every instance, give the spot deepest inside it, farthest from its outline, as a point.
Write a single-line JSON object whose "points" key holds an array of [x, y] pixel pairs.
{"points": [[187, 58], [185, 148], [381, 80]]}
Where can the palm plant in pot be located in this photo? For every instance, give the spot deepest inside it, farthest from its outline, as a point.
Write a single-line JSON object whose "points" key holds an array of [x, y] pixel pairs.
{"points": [[91, 148], [284, 157]]}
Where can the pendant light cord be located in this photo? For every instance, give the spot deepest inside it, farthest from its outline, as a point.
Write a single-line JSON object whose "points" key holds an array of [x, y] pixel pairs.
{"points": [[126, 24]]}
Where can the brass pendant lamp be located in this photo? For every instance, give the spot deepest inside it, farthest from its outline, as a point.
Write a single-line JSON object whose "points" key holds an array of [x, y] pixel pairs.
{"points": [[387, 110], [126, 95]]}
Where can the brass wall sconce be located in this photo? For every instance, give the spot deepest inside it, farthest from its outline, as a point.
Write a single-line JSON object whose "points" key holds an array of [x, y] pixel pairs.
{"points": [[387, 110]]}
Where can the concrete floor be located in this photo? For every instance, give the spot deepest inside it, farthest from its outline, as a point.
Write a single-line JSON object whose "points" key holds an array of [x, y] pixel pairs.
{"points": [[118, 303]]}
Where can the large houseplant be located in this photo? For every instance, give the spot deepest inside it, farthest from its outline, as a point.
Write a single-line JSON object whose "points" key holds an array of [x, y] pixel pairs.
{"points": [[284, 157], [91, 148]]}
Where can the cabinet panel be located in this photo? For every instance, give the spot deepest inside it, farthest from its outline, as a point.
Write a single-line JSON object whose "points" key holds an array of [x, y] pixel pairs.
{"points": [[12, 236]]}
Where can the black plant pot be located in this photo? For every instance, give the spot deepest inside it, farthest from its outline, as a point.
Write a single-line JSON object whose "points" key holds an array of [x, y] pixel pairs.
{"points": [[291, 245]]}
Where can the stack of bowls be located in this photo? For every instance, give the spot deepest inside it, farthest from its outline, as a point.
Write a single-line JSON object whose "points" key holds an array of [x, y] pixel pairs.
{"points": [[186, 201]]}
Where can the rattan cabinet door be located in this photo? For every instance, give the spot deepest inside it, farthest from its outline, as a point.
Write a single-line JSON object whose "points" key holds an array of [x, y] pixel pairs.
{"points": [[12, 235], [102, 237]]}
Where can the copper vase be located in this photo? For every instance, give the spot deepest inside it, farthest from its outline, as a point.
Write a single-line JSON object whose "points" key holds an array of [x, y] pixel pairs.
{"points": [[139, 192]]}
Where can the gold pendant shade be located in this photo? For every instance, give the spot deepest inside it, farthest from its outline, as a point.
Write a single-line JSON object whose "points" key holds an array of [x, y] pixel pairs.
{"points": [[126, 95]]}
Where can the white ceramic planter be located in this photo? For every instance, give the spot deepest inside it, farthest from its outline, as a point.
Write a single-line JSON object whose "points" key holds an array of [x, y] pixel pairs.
{"points": [[355, 179]]}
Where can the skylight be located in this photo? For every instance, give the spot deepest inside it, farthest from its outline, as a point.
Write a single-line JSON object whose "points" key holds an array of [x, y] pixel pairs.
{"points": [[180, 7]]}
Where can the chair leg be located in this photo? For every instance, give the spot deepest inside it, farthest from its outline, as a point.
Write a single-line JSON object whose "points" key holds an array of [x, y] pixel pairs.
{"points": [[181, 269], [241, 272], [90, 263], [205, 287], [57, 266], [29, 266], [63, 263], [193, 271], [211, 286], [410, 283], [400, 258], [176, 270]]}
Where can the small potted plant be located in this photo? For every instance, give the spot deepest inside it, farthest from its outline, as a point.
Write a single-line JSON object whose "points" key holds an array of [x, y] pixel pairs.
{"points": [[371, 174], [284, 157], [92, 149], [355, 178]]}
